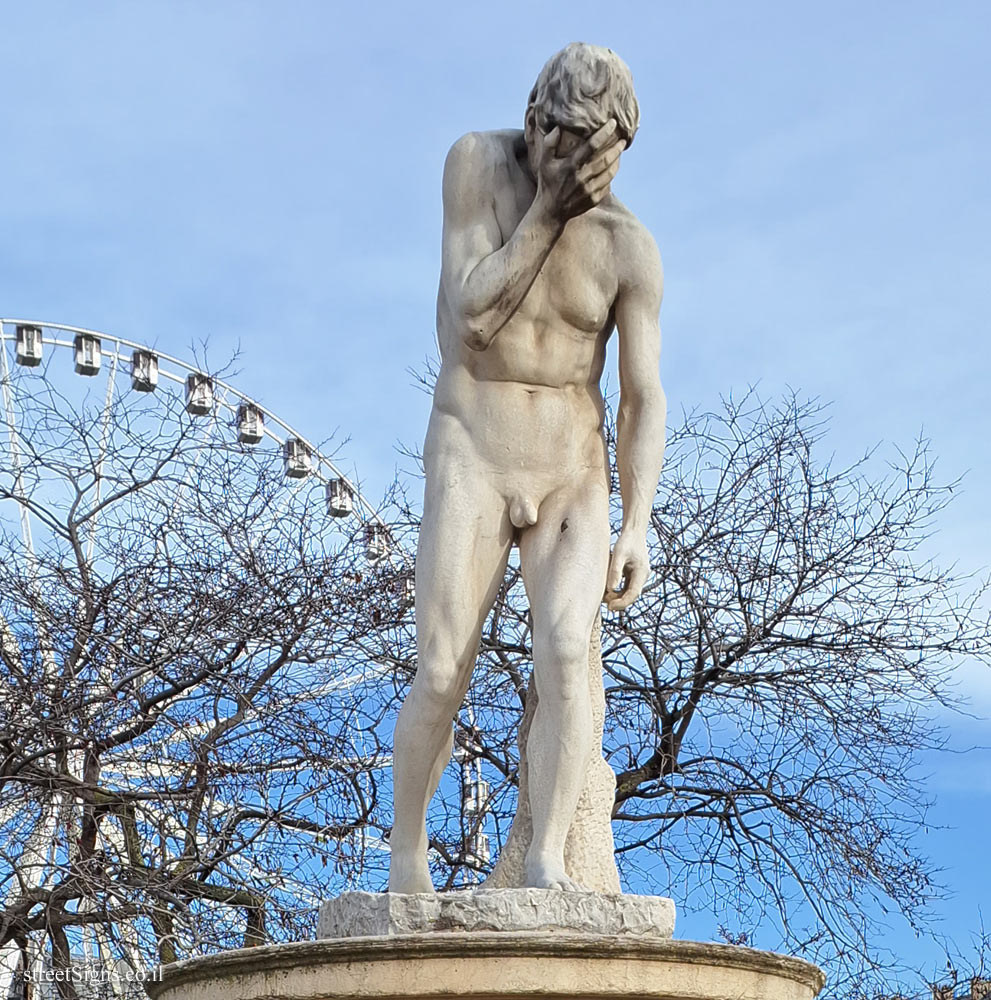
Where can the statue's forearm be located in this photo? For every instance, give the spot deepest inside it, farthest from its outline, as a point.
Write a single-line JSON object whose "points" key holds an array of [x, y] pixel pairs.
{"points": [[640, 456], [499, 283]]}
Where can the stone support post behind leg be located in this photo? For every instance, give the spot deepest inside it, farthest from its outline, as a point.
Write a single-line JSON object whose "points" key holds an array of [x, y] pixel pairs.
{"points": [[588, 853]]}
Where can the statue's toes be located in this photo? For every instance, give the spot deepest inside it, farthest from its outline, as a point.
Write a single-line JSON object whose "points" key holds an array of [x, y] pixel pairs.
{"points": [[567, 884], [553, 878]]}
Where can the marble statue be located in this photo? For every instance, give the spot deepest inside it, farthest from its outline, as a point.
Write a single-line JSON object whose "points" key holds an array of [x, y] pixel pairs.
{"points": [[540, 262]]}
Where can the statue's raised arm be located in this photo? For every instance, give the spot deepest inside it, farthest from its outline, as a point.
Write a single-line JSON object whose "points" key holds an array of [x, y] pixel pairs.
{"points": [[485, 277]]}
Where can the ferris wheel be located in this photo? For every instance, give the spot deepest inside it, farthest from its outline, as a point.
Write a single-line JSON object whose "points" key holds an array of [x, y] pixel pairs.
{"points": [[72, 363], [150, 370]]}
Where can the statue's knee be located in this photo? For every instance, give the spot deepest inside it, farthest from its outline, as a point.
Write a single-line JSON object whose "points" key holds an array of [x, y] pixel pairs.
{"points": [[568, 642], [439, 683], [566, 660]]}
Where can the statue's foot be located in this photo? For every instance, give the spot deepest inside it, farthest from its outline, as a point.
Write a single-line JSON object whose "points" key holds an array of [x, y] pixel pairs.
{"points": [[544, 874], [409, 872]]}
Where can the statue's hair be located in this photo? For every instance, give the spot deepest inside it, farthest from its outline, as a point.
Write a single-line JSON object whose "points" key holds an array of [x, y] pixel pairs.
{"points": [[583, 86]]}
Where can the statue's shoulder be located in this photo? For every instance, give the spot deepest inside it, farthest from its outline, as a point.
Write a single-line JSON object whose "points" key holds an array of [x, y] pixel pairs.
{"points": [[633, 243], [479, 154], [626, 227]]}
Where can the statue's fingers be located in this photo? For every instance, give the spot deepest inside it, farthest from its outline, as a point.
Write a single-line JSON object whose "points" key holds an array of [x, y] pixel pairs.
{"points": [[550, 141], [618, 602], [602, 179], [638, 577], [603, 161], [613, 579], [599, 139], [596, 190]]}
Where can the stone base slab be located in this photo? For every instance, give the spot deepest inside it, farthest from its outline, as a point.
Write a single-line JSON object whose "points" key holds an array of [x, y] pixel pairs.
{"points": [[368, 914], [490, 966]]}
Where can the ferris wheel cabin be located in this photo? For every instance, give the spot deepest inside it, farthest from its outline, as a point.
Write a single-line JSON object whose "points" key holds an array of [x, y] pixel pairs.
{"points": [[250, 424], [86, 348], [297, 458], [144, 371], [199, 394], [340, 500], [29, 350], [376, 543]]}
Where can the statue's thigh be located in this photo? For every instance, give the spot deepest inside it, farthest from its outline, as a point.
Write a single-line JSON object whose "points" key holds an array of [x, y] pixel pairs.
{"points": [[565, 555], [464, 541]]}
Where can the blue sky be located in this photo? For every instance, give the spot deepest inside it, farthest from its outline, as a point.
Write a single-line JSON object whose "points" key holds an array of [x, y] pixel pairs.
{"points": [[268, 175]]}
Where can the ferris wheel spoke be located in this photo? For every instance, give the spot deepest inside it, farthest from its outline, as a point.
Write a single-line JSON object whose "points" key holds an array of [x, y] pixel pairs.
{"points": [[104, 440]]}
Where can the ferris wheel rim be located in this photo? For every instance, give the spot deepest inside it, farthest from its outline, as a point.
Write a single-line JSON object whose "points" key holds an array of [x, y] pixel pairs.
{"points": [[367, 515]]}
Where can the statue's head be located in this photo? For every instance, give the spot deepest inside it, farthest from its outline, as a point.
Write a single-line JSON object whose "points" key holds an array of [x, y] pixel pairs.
{"points": [[579, 89]]}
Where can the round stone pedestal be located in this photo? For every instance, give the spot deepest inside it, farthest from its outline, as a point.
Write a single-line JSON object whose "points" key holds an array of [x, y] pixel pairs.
{"points": [[485, 965]]}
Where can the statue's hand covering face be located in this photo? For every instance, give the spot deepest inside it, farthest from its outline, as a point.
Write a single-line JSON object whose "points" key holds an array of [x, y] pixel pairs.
{"points": [[580, 89]]}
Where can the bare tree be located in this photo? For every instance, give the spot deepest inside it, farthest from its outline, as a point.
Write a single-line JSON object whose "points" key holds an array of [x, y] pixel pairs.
{"points": [[787, 665], [197, 713], [769, 698], [190, 733], [966, 975]]}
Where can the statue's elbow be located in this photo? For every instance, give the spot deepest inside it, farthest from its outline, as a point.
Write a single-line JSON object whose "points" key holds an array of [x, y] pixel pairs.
{"points": [[475, 329], [475, 338], [643, 404]]}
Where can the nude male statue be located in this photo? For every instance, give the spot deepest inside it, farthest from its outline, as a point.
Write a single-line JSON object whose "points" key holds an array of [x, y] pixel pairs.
{"points": [[539, 263]]}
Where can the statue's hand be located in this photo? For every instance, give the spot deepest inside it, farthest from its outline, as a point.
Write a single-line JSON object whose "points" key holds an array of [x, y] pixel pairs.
{"points": [[628, 569], [573, 182]]}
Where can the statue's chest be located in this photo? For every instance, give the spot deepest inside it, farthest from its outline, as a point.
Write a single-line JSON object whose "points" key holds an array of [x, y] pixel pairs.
{"points": [[577, 282]]}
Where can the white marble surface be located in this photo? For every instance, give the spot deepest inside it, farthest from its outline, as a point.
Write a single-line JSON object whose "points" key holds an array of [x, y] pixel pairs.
{"points": [[372, 914]]}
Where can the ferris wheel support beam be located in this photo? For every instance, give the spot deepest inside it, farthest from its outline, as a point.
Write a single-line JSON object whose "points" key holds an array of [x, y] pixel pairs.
{"points": [[44, 645], [15, 451], [208, 429], [98, 476], [180, 492]]}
